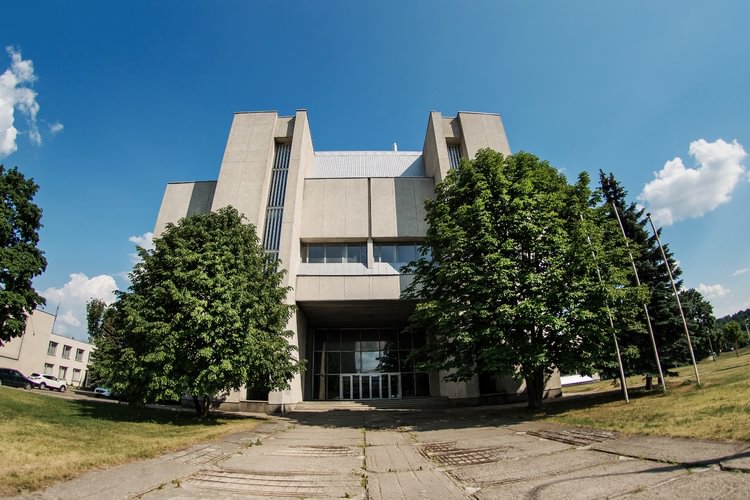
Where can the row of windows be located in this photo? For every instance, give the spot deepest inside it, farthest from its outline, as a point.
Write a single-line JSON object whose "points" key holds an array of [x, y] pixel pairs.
{"points": [[62, 372], [356, 253], [52, 351]]}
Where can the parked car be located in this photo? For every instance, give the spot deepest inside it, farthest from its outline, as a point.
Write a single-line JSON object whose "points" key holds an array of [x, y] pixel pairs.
{"points": [[44, 381], [14, 378], [104, 392]]}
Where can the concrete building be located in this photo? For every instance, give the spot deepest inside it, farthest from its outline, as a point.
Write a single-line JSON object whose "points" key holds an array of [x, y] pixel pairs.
{"points": [[41, 351], [342, 223]]}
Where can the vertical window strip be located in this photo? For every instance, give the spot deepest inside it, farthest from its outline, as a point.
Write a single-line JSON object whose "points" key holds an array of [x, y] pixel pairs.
{"points": [[454, 153], [276, 196]]}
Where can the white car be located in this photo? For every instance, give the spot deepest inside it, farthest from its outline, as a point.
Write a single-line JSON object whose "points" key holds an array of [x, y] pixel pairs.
{"points": [[104, 392], [50, 382]]}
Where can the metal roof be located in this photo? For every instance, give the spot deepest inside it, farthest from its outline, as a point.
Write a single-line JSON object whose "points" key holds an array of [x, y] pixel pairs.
{"points": [[332, 164]]}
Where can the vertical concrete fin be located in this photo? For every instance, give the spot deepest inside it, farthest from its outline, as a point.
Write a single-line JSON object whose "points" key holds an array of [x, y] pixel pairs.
{"points": [[482, 130], [435, 150]]}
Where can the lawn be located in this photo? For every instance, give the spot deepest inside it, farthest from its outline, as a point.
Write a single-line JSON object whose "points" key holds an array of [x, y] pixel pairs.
{"points": [[45, 438], [719, 409]]}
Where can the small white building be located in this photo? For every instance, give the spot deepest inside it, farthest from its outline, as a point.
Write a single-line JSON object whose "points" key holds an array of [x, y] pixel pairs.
{"points": [[39, 350]]}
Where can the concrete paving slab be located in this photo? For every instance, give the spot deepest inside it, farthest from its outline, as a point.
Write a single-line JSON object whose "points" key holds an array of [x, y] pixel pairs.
{"points": [[604, 481], [530, 468], [673, 450], [413, 484], [740, 463], [707, 483], [394, 458], [380, 438]]}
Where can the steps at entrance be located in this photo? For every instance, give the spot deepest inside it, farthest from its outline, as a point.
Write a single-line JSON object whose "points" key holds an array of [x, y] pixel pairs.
{"points": [[372, 404]]}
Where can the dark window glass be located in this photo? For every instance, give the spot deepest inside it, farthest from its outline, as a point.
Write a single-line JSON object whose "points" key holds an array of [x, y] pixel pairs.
{"points": [[334, 254], [422, 384], [348, 363], [420, 339], [333, 386], [332, 338], [385, 253], [369, 341], [407, 253], [316, 254], [404, 340], [405, 363], [349, 339], [320, 340], [317, 362], [355, 254], [407, 385], [388, 361], [333, 362]]}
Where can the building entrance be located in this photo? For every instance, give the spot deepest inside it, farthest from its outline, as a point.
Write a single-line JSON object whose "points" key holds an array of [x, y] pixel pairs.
{"points": [[370, 386]]}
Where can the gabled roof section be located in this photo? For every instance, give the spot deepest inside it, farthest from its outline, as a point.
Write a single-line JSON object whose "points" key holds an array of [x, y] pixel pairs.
{"points": [[340, 164]]}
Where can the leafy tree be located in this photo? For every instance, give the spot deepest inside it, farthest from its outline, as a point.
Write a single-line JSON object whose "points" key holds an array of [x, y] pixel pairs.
{"points": [[20, 259], [733, 334], [509, 286], [699, 314], [662, 306], [205, 314]]}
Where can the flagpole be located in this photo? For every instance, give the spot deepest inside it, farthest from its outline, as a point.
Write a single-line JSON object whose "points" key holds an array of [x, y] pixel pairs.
{"points": [[677, 297], [645, 307]]}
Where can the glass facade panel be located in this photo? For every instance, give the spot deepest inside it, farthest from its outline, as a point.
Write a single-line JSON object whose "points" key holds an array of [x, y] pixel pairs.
{"points": [[333, 362], [334, 382], [316, 254], [348, 364], [407, 385], [349, 340], [385, 253], [334, 254], [356, 254], [370, 361], [407, 253], [333, 340]]}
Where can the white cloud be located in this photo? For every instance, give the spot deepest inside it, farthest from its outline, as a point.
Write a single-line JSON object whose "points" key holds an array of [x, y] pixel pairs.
{"points": [[73, 296], [679, 193], [145, 241], [16, 94], [739, 272], [712, 291], [56, 128]]}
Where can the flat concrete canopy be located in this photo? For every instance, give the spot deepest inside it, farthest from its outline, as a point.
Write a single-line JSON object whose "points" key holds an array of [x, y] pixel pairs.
{"points": [[357, 313]]}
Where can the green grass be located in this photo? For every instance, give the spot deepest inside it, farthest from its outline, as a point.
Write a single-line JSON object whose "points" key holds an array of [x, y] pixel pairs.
{"points": [[46, 439], [718, 409]]}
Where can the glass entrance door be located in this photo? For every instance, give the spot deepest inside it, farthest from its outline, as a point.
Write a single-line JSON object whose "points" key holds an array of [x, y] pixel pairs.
{"points": [[370, 386]]}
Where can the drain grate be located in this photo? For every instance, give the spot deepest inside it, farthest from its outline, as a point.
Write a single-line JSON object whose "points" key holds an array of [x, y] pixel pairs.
{"points": [[575, 436], [446, 453], [198, 456], [283, 484], [314, 451]]}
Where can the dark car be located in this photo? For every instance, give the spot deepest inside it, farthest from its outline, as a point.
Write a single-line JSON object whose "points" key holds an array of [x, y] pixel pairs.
{"points": [[14, 378]]}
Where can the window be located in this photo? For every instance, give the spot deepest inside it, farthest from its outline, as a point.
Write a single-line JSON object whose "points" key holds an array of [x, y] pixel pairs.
{"points": [[454, 154], [334, 253], [48, 368], [79, 354], [62, 373], [66, 351], [397, 254], [52, 349], [76, 375]]}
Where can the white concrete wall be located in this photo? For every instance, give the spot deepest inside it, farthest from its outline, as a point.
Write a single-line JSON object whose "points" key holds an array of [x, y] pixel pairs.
{"points": [[398, 206], [182, 199], [335, 208]]}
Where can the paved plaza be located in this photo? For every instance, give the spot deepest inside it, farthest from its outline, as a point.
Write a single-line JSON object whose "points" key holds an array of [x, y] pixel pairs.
{"points": [[430, 453]]}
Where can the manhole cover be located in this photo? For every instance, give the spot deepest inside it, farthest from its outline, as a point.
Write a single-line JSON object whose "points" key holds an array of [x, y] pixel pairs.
{"points": [[195, 457], [448, 454], [281, 484], [578, 437], [314, 451]]}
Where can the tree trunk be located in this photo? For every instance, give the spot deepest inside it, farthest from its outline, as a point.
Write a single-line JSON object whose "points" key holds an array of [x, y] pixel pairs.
{"points": [[535, 388], [202, 406], [736, 350], [649, 382]]}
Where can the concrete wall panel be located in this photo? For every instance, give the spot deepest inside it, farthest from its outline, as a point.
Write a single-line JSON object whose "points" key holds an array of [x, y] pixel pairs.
{"points": [[182, 199]]}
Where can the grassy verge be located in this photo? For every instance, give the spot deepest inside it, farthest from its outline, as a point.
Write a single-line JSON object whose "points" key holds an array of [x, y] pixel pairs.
{"points": [[45, 439], [719, 409]]}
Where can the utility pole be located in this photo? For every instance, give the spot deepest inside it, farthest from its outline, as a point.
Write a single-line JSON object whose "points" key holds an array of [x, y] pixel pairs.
{"points": [[677, 297]]}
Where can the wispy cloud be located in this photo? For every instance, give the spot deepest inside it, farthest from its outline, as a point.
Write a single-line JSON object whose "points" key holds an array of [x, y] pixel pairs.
{"points": [[56, 128], [741, 271], [679, 193], [713, 291], [16, 94], [145, 241]]}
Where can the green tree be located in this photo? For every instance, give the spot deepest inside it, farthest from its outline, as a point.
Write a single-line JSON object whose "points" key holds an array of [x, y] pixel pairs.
{"points": [[662, 306], [20, 259], [510, 285], [733, 335], [699, 314], [205, 313]]}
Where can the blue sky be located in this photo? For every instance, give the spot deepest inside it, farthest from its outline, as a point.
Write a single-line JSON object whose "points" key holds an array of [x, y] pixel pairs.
{"points": [[133, 95]]}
